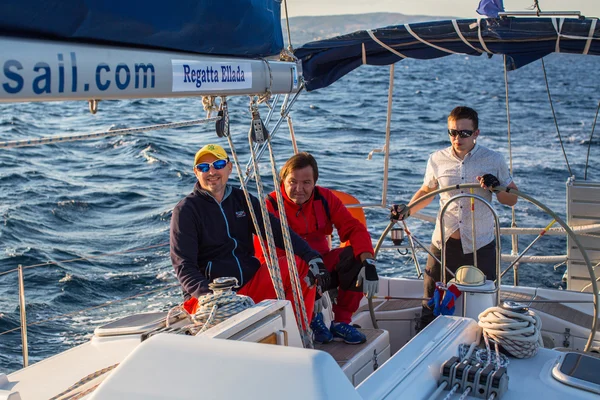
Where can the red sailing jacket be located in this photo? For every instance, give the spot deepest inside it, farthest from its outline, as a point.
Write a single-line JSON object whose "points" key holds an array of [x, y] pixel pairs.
{"points": [[315, 220]]}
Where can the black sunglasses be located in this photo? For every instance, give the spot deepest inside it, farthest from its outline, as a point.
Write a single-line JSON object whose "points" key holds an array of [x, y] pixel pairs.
{"points": [[464, 133]]}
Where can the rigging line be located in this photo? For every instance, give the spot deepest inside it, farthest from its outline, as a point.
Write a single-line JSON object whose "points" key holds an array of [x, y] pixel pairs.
{"points": [[85, 380], [93, 257], [289, 252], [385, 46], [409, 30], [287, 24], [536, 5], [274, 271], [480, 37], [109, 132], [461, 36], [108, 303], [9, 271], [587, 159], [554, 116], [558, 24], [510, 158], [590, 36], [514, 238]]}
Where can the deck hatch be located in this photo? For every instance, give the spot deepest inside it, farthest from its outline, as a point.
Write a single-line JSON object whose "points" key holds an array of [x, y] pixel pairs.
{"points": [[578, 370]]}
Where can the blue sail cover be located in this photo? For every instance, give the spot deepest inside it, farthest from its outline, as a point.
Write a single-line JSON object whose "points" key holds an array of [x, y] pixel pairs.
{"points": [[248, 28], [522, 40]]}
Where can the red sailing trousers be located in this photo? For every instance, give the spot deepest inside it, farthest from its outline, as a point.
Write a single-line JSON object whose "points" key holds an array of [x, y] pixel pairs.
{"points": [[260, 287], [338, 261]]}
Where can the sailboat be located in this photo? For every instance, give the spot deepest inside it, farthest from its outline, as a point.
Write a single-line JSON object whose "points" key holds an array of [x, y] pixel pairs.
{"points": [[100, 52]]}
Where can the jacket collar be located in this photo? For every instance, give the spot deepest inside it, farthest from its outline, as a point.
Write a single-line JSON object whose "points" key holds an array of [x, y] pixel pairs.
{"points": [[206, 195]]}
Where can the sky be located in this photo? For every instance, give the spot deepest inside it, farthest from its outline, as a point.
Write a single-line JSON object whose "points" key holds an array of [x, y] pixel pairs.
{"points": [[454, 8]]}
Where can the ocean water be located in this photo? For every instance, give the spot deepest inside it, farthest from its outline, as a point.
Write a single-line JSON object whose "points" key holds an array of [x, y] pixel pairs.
{"points": [[83, 200]]}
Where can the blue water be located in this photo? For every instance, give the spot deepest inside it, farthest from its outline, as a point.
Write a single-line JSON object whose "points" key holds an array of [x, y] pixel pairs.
{"points": [[82, 199]]}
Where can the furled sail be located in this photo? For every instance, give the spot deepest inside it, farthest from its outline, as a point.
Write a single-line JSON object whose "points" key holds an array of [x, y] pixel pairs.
{"points": [[522, 40]]}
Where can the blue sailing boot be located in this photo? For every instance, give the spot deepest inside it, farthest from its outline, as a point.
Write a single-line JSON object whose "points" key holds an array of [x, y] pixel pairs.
{"points": [[347, 333], [321, 333]]}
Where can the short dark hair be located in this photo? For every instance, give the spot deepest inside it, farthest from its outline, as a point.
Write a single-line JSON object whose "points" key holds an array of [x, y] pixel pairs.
{"points": [[464, 112], [299, 161]]}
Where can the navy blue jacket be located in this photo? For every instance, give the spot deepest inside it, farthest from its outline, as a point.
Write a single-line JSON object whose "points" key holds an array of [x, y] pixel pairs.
{"points": [[211, 240]]}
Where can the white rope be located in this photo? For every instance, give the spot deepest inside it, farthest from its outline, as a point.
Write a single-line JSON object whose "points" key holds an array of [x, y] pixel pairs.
{"points": [[273, 269], [482, 355], [518, 333], [481, 37], [464, 395], [82, 382], [581, 229], [385, 46], [535, 259], [409, 30], [590, 36], [451, 392], [558, 29], [218, 306], [303, 323], [590, 284], [209, 105], [364, 54], [271, 254], [299, 309], [460, 35], [109, 132]]}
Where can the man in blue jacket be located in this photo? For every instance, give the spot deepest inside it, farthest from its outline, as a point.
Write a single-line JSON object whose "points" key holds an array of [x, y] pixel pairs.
{"points": [[211, 237]]}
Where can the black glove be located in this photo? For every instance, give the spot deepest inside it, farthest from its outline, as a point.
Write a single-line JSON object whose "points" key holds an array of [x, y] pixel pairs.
{"points": [[490, 181], [318, 274], [399, 212]]}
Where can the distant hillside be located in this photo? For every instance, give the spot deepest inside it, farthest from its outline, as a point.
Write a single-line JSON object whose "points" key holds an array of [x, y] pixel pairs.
{"points": [[308, 29]]}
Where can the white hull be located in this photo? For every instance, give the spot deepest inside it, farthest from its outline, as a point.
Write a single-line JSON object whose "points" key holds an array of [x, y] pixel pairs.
{"points": [[222, 369]]}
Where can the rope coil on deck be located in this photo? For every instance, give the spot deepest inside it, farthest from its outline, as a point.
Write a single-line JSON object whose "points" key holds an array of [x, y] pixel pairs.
{"points": [[518, 333], [216, 307]]}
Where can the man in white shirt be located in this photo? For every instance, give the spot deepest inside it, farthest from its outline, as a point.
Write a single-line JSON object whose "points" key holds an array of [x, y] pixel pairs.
{"points": [[463, 162]]}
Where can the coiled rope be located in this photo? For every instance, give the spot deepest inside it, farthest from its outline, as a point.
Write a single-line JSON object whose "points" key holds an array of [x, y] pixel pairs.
{"points": [[218, 306], [518, 333]]}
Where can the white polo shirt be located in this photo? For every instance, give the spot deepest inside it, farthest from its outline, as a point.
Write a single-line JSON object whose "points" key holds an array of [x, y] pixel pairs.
{"points": [[444, 168]]}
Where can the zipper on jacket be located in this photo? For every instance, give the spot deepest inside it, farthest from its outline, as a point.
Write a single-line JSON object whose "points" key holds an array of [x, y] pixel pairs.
{"points": [[208, 268], [235, 245], [303, 216]]}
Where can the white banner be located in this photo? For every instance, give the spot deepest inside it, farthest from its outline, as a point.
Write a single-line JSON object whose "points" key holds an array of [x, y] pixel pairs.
{"points": [[196, 76]]}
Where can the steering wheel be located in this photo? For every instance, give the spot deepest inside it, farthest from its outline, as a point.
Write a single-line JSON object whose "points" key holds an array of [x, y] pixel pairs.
{"points": [[541, 206]]}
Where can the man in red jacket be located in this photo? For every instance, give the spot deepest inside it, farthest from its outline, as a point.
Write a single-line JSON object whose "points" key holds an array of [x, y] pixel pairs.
{"points": [[312, 212]]}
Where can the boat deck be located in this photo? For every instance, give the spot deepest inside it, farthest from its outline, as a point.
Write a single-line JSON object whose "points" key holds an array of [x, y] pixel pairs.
{"points": [[343, 353]]}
